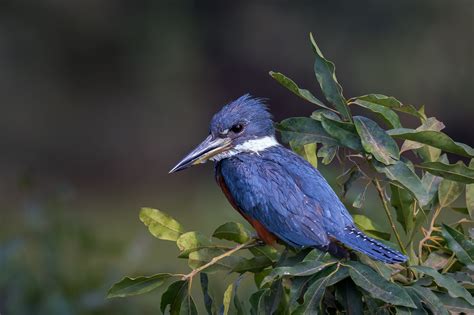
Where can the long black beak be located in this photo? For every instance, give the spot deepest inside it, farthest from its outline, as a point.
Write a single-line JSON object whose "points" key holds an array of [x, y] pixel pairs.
{"points": [[203, 152]]}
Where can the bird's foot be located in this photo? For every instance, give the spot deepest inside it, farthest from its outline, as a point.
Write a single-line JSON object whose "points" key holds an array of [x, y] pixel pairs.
{"points": [[258, 240]]}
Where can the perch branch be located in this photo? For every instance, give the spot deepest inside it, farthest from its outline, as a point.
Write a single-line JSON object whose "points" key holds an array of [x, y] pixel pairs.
{"points": [[214, 260]]}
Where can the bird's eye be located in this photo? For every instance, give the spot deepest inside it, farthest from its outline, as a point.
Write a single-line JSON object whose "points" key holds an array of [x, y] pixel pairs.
{"points": [[237, 128]]}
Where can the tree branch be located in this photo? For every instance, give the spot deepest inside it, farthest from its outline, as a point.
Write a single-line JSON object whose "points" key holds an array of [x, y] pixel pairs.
{"points": [[430, 230], [389, 214], [214, 260]]}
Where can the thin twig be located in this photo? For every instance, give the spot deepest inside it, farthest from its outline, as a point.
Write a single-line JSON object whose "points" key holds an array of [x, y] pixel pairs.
{"points": [[430, 230], [388, 213], [214, 260], [452, 260]]}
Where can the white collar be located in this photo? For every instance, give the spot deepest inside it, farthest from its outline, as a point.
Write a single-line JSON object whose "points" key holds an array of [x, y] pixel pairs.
{"points": [[253, 146]]}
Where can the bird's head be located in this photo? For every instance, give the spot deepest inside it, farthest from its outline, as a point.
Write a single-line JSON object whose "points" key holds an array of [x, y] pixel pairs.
{"points": [[241, 126]]}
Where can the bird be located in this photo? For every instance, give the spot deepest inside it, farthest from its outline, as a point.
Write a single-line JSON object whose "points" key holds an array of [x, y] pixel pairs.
{"points": [[278, 192]]}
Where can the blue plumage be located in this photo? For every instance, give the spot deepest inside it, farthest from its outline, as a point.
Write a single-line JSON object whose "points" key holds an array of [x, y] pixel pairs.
{"points": [[276, 190]]}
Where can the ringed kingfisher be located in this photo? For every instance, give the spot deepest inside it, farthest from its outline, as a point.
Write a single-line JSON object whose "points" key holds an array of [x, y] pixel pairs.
{"points": [[279, 193]]}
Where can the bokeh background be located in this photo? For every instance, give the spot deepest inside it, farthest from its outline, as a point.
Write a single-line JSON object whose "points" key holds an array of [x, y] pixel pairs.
{"points": [[100, 98]]}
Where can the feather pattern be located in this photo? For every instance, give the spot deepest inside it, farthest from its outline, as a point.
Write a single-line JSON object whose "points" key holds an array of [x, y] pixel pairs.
{"points": [[292, 200]]}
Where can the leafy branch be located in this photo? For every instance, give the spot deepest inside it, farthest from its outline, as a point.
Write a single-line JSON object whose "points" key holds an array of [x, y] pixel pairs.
{"points": [[216, 259], [414, 181]]}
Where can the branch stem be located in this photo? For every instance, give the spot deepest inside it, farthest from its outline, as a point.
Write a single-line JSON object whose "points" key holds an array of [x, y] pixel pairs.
{"points": [[386, 207], [430, 230], [214, 260]]}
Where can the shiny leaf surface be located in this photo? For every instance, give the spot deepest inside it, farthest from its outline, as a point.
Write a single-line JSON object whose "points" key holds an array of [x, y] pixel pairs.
{"points": [[435, 139], [366, 278], [457, 172], [232, 231], [135, 286], [376, 141], [160, 224], [326, 75], [454, 289], [293, 87], [461, 246]]}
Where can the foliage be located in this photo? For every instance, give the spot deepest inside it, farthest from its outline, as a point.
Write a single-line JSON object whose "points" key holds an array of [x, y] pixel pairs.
{"points": [[416, 184]]}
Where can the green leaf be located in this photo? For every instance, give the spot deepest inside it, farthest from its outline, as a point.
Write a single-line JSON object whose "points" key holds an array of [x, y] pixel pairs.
{"points": [[344, 132], [369, 227], [457, 172], [389, 102], [461, 246], [470, 195], [190, 242], [174, 297], [304, 130], [435, 139], [298, 287], [307, 151], [232, 231], [359, 200], [381, 268], [428, 153], [327, 153], [436, 260], [271, 299], [388, 115], [293, 87], [160, 224], [310, 154], [319, 255], [326, 76], [461, 210], [430, 124], [377, 286], [431, 185], [466, 279], [228, 298], [404, 205], [135, 286], [304, 268], [429, 299], [454, 289], [448, 192], [259, 276], [319, 113], [208, 301], [341, 274], [456, 306], [376, 141], [315, 293], [267, 251], [419, 310], [188, 307], [255, 299], [253, 264], [237, 304], [401, 174], [351, 297]]}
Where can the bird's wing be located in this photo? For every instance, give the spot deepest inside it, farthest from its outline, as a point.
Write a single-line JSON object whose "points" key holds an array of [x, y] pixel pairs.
{"points": [[267, 193], [333, 214]]}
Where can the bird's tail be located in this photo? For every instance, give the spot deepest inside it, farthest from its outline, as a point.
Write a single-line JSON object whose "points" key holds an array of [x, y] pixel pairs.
{"points": [[357, 240]]}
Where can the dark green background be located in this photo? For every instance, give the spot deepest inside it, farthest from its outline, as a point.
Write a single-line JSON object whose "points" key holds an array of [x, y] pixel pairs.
{"points": [[100, 98]]}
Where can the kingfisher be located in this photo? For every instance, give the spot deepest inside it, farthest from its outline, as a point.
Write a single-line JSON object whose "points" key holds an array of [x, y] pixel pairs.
{"points": [[279, 193]]}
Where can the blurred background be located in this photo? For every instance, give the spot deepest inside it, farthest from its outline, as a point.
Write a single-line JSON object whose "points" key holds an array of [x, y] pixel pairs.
{"points": [[100, 98]]}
